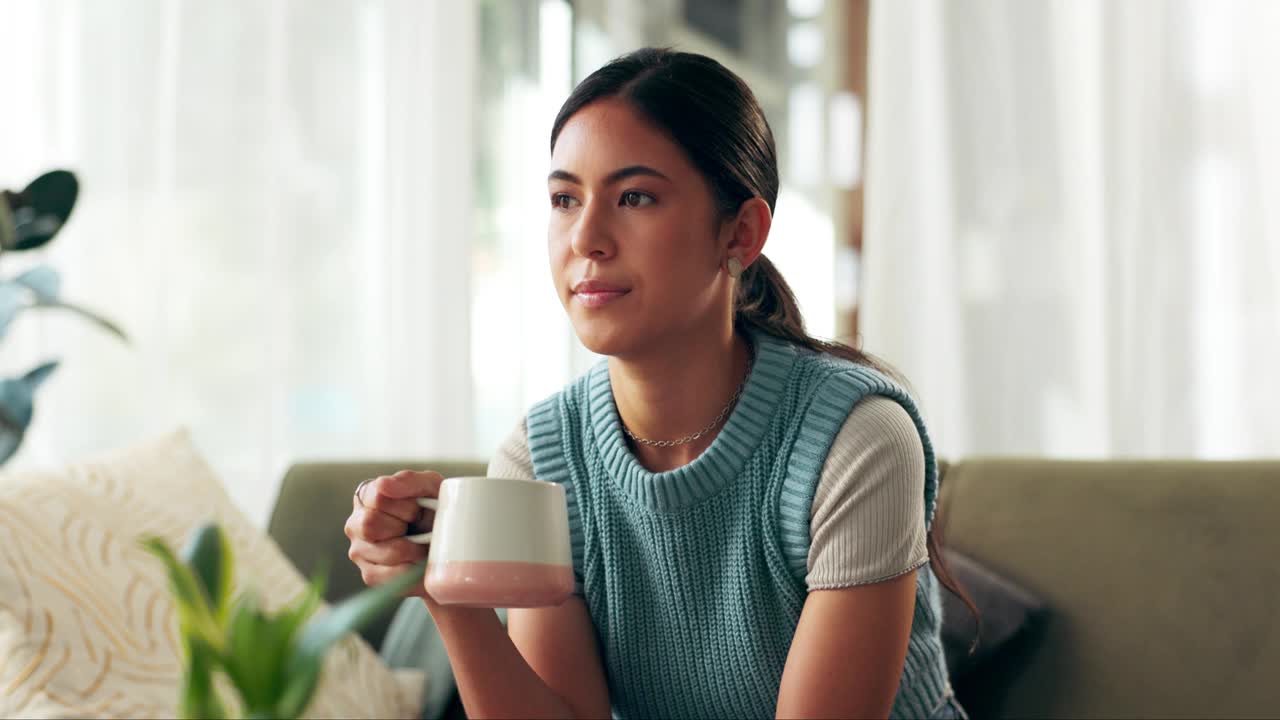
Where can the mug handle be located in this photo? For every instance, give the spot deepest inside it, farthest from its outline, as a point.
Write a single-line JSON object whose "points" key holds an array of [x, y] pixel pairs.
{"points": [[424, 538]]}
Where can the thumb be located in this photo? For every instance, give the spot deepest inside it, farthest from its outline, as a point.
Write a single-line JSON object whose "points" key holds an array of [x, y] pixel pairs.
{"points": [[411, 484]]}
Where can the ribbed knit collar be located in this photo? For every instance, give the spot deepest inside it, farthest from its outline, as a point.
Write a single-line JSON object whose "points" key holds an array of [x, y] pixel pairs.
{"points": [[720, 463]]}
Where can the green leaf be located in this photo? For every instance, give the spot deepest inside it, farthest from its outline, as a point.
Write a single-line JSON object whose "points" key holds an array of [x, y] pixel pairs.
{"points": [[199, 697], [300, 685], [320, 634], [41, 209], [97, 319], [311, 599], [43, 281], [356, 612], [209, 555], [193, 609], [12, 298], [37, 375], [293, 689], [260, 646], [17, 397], [8, 233], [254, 657], [182, 581]]}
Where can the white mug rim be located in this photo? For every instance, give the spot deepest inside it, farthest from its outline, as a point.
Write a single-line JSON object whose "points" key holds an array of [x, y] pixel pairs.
{"points": [[499, 477]]}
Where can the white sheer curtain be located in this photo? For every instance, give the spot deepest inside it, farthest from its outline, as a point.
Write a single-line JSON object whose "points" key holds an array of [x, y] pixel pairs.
{"points": [[1073, 223], [276, 204]]}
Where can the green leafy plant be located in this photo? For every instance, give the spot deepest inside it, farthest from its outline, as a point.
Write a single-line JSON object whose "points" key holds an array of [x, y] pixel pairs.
{"points": [[29, 219], [273, 660]]}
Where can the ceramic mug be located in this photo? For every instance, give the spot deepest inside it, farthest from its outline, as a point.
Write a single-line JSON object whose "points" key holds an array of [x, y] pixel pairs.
{"points": [[498, 543]]}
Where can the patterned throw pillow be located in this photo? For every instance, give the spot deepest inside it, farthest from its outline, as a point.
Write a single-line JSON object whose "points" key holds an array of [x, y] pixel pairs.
{"points": [[87, 627]]}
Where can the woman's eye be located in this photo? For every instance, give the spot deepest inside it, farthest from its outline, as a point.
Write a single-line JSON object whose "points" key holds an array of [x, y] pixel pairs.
{"points": [[560, 201], [635, 199]]}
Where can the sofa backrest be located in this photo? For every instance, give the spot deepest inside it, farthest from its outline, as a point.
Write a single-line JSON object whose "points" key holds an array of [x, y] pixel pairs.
{"points": [[312, 507], [1161, 578]]}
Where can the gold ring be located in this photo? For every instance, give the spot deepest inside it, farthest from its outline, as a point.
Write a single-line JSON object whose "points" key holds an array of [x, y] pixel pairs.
{"points": [[360, 500]]}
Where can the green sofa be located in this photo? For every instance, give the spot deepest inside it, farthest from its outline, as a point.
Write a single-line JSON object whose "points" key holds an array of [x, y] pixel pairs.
{"points": [[1160, 577]]}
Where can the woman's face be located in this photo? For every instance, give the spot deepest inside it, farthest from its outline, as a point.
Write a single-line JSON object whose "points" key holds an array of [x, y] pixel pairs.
{"points": [[633, 236]]}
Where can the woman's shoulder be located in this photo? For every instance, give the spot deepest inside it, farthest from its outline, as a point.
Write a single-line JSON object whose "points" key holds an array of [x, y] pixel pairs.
{"points": [[881, 423], [835, 383], [867, 518], [512, 458]]}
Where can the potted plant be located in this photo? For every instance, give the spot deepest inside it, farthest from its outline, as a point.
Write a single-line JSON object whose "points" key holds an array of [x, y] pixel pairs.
{"points": [[272, 660], [29, 219]]}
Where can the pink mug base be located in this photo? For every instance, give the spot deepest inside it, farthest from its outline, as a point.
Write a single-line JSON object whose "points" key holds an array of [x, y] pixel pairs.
{"points": [[499, 584]]}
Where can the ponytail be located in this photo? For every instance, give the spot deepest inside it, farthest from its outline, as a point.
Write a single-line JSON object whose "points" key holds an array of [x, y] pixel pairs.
{"points": [[765, 301]]}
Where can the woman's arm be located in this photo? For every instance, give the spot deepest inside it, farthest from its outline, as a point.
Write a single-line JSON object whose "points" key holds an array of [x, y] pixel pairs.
{"points": [[560, 645], [544, 665], [867, 524], [847, 655]]}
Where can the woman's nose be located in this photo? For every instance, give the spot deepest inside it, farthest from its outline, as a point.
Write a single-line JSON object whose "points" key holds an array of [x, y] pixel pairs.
{"points": [[592, 235]]}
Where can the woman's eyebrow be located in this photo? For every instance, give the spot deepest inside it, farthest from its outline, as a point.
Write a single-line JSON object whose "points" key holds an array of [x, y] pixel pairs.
{"points": [[613, 177]]}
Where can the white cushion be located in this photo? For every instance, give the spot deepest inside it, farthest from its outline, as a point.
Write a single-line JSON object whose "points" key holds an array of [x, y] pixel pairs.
{"points": [[87, 626]]}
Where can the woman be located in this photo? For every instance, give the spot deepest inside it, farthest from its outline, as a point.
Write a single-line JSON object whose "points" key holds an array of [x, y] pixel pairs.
{"points": [[750, 506]]}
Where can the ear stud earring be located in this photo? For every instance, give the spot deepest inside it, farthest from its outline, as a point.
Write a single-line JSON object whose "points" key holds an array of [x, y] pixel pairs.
{"points": [[735, 268]]}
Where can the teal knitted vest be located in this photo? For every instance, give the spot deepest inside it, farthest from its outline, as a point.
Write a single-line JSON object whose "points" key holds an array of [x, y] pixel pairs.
{"points": [[694, 578]]}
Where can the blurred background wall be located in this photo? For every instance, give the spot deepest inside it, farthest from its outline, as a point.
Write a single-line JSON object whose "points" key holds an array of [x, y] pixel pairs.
{"points": [[323, 221], [1073, 223]]}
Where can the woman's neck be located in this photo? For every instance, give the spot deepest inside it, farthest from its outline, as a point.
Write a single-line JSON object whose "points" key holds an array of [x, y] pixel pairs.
{"points": [[669, 395]]}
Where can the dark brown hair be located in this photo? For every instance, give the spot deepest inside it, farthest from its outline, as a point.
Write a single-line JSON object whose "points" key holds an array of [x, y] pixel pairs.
{"points": [[715, 118]]}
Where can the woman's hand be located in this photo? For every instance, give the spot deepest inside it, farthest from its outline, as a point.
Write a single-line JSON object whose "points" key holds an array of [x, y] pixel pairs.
{"points": [[384, 510]]}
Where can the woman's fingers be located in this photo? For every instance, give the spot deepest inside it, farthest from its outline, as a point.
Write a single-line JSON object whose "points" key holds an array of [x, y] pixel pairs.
{"points": [[375, 575], [374, 525], [398, 494], [410, 485], [424, 523], [384, 509], [370, 497], [395, 552]]}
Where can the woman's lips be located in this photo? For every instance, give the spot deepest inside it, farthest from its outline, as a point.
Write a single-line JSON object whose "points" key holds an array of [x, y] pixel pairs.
{"points": [[598, 298]]}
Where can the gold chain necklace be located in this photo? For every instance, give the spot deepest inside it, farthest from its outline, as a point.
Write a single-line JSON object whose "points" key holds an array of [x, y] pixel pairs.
{"points": [[710, 426]]}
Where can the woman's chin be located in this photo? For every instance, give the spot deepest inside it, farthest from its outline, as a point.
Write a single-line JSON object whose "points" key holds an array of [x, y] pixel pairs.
{"points": [[604, 338]]}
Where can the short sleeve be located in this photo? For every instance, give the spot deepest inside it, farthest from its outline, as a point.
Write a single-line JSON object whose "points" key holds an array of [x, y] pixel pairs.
{"points": [[867, 520], [513, 460]]}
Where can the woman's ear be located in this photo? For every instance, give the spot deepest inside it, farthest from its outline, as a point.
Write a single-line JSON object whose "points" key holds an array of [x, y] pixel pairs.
{"points": [[745, 233]]}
